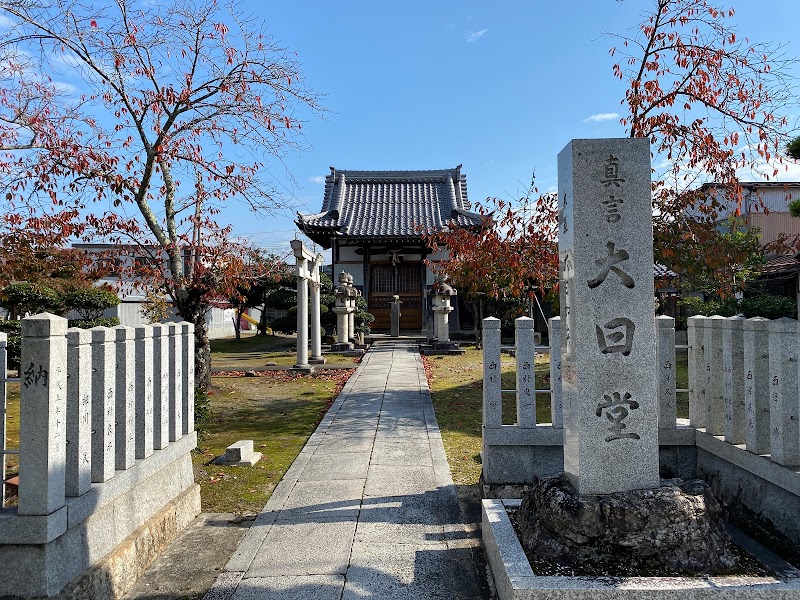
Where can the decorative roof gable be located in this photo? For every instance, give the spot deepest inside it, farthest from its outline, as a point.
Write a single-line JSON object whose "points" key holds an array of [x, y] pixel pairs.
{"points": [[389, 204]]}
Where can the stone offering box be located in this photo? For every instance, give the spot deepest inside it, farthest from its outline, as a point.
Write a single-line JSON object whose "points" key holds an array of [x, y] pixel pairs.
{"points": [[741, 437], [105, 471]]}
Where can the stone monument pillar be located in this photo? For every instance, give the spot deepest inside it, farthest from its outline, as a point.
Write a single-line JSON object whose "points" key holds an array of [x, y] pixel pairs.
{"points": [[441, 292], [395, 316], [342, 310], [608, 338]]}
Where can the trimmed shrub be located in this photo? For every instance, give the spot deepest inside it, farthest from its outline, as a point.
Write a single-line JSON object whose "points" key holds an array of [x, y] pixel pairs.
{"points": [[769, 306], [21, 298], [14, 345], [90, 302], [89, 323]]}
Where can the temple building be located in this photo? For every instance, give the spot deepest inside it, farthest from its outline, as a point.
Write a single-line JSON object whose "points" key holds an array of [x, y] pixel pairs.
{"points": [[371, 220]]}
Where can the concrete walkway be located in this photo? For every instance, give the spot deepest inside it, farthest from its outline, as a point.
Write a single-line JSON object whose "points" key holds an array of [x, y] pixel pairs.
{"points": [[368, 509]]}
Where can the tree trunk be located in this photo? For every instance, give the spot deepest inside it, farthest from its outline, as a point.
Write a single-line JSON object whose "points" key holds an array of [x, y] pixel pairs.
{"points": [[262, 321], [191, 308], [237, 323], [202, 353]]}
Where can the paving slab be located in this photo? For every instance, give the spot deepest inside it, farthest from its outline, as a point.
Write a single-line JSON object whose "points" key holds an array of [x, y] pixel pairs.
{"points": [[406, 452], [368, 509], [308, 587], [323, 501], [386, 480], [305, 548], [336, 466]]}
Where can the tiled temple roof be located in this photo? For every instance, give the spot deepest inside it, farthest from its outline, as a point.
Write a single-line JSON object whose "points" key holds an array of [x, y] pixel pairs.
{"points": [[389, 204]]}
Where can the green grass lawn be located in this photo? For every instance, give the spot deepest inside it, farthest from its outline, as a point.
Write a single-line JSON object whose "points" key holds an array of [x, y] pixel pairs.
{"points": [[253, 351], [278, 412]]}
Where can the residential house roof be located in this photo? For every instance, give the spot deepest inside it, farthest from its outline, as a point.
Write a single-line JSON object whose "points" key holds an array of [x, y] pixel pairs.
{"points": [[389, 205], [781, 266]]}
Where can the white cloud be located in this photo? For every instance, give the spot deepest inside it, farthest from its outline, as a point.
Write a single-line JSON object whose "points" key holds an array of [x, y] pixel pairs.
{"points": [[317, 179], [474, 36], [65, 89], [601, 117]]}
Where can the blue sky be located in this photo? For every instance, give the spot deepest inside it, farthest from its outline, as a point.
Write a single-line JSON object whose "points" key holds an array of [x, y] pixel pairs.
{"points": [[497, 87]]}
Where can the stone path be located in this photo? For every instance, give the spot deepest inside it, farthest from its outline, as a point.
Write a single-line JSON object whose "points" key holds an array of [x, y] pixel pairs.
{"points": [[368, 509]]}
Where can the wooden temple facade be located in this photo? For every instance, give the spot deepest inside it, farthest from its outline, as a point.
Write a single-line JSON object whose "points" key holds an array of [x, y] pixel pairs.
{"points": [[371, 221]]}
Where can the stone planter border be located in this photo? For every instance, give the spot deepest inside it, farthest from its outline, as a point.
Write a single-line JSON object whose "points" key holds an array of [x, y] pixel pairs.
{"points": [[514, 579]]}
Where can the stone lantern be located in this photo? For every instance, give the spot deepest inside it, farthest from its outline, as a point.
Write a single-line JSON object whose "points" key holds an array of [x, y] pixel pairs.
{"points": [[441, 293], [353, 294], [343, 310]]}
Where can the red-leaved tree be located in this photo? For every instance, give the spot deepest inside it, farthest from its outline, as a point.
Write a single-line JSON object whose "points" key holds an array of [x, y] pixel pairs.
{"points": [[712, 103], [183, 106], [511, 257]]}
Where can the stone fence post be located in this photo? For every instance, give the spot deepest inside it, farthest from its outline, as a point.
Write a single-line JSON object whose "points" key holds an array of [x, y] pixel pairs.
{"points": [[733, 379], [665, 361], [526, 375], [125, 395], [104, 366], [756, 385], [143, 348], [187, 399], [783, 394], [160, 386], [492, 395], [712, 354], [3, 404], [697, 371], [556, 401], [43, 407], [175, 390], [79, 412]]}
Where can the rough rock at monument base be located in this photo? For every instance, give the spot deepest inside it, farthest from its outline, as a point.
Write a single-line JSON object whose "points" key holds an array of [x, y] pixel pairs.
{"points": [[677, 526]]}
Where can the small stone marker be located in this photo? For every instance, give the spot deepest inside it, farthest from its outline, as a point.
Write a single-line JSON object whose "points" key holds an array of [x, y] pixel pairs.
{"points": [[395, 315], [239, 454], [608, 337]]}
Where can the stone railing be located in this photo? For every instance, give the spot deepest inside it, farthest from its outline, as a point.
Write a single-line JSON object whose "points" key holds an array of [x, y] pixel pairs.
{"points": [[744, 387], [743, 430], [743, 383], [106, 427], [515, 453]]}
